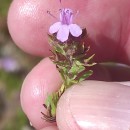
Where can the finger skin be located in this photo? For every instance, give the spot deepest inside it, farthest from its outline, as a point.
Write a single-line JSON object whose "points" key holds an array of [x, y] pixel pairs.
{"points": [[127, 83], [50, 128], [28, 24], [107, 23], [41, 81], [94, 105]]}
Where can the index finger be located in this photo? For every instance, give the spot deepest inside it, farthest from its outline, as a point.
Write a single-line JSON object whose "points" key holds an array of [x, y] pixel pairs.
{"points": [[28, 23]]}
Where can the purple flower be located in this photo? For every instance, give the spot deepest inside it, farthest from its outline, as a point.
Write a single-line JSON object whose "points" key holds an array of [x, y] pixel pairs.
{"points": [[65, 26]]}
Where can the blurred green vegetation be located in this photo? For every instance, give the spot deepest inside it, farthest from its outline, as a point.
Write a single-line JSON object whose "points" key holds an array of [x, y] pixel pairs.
{"points": [[17, 123], [4, 5], [12, 81], [11, 114]]}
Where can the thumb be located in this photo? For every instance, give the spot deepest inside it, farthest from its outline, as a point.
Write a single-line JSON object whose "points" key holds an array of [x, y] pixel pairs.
{"points": [[95, 105]]}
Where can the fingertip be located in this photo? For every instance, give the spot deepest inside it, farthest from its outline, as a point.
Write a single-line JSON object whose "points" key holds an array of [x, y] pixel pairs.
{"points": [[94, 105], [28, 24], [41, 81]]}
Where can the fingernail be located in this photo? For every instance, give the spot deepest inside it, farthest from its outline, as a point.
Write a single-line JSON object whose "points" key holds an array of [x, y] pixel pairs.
{"points": [[95, 106]]}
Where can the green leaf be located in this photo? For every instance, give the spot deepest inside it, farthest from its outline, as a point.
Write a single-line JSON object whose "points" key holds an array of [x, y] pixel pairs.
{"points": [[70, 81], [51, 103], [88, 59], [51, 39], [91, 64], [73, 69], [78, 63], [60, 49], [54, 104], [61, 63], [48, 101], [55, 45], [62, 75], [53, 111], [63, 69], [86, 75], [77, 68]]}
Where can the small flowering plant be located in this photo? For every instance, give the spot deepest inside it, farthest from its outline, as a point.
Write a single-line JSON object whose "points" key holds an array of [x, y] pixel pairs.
{"points": [[70, 56]]}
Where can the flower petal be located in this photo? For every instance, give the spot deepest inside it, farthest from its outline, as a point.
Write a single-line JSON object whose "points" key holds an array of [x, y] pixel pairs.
{"points": [[63, 33], [75, 30], [55, 27]]}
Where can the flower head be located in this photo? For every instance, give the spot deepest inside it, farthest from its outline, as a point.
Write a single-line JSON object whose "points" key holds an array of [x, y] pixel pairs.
{"points": [[65, 26]]}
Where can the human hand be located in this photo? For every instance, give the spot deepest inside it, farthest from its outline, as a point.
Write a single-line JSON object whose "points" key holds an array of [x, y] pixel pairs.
{"points": [[108, 25]]}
